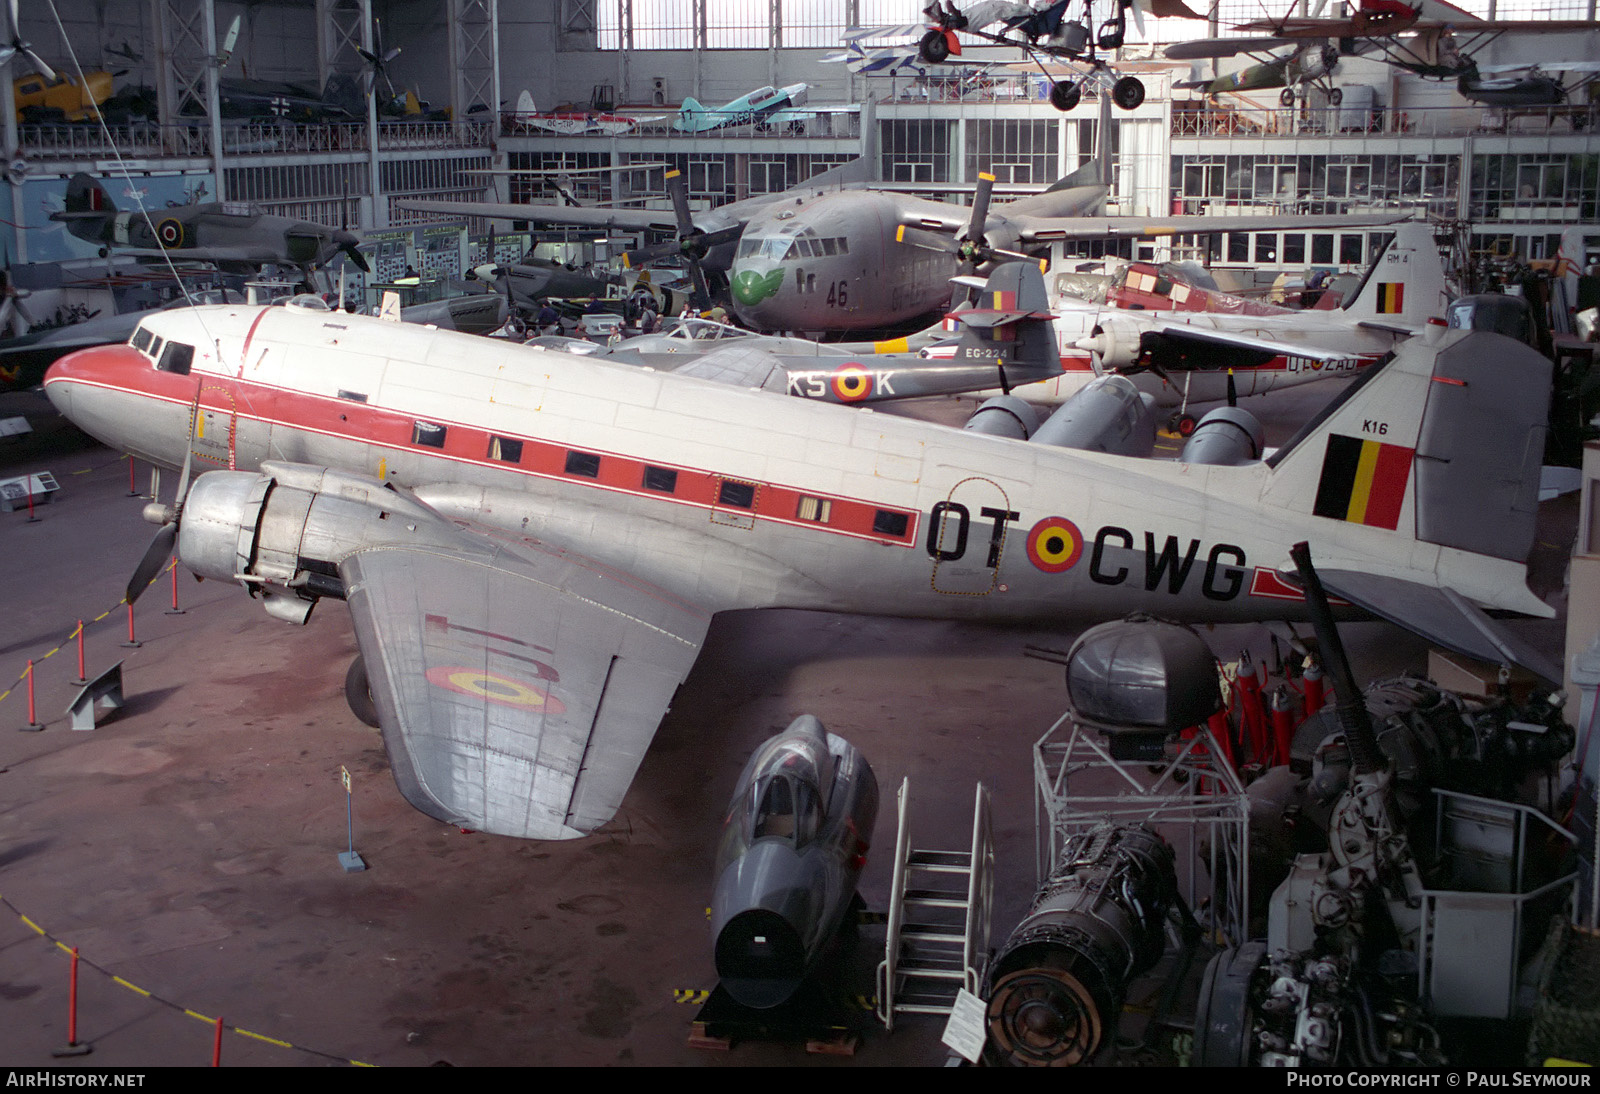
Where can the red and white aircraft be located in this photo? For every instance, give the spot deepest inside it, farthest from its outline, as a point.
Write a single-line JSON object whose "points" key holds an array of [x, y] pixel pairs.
{"points": [[1183, 356], [532, 545]]}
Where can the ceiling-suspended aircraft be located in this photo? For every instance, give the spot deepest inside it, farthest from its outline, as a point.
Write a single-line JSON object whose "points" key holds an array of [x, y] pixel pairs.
{"points": [[1431, 39], [234, 235], [1048, 32], [532, 553], [1303, 62]]}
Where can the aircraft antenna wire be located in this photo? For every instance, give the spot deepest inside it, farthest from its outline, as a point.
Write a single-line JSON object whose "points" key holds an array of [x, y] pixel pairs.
{"points": [[105, 131]]}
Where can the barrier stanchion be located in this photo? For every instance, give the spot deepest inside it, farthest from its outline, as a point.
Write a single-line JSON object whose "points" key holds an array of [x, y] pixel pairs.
{"points": [[133, 491], [83, 677], [28, 485], [174, 610], [33, 722], [73, 1048], [132, 643], [216, 1045]]}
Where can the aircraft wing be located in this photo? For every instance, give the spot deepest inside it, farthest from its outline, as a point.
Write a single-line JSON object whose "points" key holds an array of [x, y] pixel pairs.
{"points": [[741, 366], [1040, 230], [1442, 616], [1209, 48], [1180, 332], [254, 256], [517, 689], [586, 216]]}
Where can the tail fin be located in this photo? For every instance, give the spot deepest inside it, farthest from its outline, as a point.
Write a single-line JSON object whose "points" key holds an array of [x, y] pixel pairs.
{"points": [[691, 116], [1442, 444], [1405, 285], [1010, 327], [88, 210]]}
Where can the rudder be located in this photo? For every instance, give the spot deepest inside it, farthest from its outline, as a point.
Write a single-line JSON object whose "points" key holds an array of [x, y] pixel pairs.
{"points": [[1405, 286]]}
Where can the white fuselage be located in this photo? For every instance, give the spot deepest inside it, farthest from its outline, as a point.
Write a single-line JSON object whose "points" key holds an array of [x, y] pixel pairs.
{"points": [[773, 501]]}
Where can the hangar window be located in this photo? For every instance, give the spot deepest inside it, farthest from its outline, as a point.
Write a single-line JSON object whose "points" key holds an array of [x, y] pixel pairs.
{"points": [[141, 340], [427, 434], [176, 357], [663, 480], [741, 495], [505, 449], [814, 509], [885, 523], [586, 464]]}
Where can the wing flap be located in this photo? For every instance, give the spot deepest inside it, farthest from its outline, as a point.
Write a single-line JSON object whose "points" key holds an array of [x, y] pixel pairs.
{"points": [[517, 692], [1442, 616]]}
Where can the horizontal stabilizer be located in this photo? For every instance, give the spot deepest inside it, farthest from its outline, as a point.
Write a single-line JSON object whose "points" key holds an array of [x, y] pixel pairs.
{"points": [[989, 319], [1442, 616]]}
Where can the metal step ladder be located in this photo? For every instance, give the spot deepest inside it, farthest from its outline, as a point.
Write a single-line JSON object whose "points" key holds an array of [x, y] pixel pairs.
{"points": [[939, 914]]}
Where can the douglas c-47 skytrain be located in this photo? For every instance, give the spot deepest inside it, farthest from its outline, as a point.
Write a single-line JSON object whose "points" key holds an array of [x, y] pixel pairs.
{"points": [[532, 545]]}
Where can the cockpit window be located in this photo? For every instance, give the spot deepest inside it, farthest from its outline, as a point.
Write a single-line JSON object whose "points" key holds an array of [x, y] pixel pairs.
{"points": [[141, 340], [176, 357], [788, 809]]}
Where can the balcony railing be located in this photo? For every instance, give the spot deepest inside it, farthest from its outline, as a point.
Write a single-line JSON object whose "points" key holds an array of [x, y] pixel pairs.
{"points": [[193, 139], [835, 123], [1244, 119]]}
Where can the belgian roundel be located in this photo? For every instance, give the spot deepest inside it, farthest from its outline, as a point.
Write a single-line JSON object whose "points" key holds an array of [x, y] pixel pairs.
{"points": [[851, 383], [170, 232], [1055, 544], [506, 691]]}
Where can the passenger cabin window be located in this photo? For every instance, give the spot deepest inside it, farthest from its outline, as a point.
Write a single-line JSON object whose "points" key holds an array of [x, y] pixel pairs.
{"points": [[176, 357], [741, 495], [586, 464], [428, 434], [885, 523], [505, 449], [814, 509], [663, 480]]}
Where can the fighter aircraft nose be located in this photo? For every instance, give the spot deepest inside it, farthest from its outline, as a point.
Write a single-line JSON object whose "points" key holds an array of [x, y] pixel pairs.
{"points": [[760, 958], [751, 287]]}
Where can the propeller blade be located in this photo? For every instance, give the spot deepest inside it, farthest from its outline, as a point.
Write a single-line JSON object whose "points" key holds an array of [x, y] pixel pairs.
{"points": [[38, 62], [702, 291], [228, 42], [349, 248], [1138, 15], [980, 207], [1233, 394], [155, 557], [678, 191]]}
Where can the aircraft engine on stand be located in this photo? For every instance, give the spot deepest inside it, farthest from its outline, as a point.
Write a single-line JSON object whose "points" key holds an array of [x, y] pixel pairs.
{"points": [[1058, 983]]}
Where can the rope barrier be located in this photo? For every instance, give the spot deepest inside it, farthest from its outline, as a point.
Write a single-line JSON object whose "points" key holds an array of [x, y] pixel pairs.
{"points": [[169, 1004]]}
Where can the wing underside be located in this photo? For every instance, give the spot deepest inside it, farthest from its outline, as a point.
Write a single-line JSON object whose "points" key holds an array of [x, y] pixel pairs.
{"points": [[517, 691]]}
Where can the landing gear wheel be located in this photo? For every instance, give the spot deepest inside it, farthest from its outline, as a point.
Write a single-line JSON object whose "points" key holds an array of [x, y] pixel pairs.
{"points": [[934, 47], [1181, 424], [1286, 96], [1128, 93], [1064, 95], [358, 693], [1336, 96]]}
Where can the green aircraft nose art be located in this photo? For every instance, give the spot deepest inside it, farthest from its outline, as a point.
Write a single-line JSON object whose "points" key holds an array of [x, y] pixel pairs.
{"points": [[750, 287]]}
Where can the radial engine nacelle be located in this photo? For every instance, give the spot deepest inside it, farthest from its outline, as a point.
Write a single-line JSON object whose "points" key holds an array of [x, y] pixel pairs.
{"points": [[1117, 342], [792, 847], [285, 530]]}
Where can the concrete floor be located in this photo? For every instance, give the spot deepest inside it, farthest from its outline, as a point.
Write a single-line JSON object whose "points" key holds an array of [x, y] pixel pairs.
{"points": [[188, 846]]}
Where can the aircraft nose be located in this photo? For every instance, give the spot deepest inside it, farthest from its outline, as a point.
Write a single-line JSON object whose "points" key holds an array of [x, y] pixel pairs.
{"points": [[751, 285]]}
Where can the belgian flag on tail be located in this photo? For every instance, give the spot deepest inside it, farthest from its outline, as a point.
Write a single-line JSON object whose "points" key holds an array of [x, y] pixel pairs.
{"points": [[1363, 481]]}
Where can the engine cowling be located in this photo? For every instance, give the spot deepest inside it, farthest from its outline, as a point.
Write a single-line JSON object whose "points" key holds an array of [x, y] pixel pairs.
{"points": [[283, 531]]}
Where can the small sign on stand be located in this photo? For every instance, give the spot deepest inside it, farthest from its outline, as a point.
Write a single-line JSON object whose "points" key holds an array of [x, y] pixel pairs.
{"points": [[26, 491], [351, 861]]}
